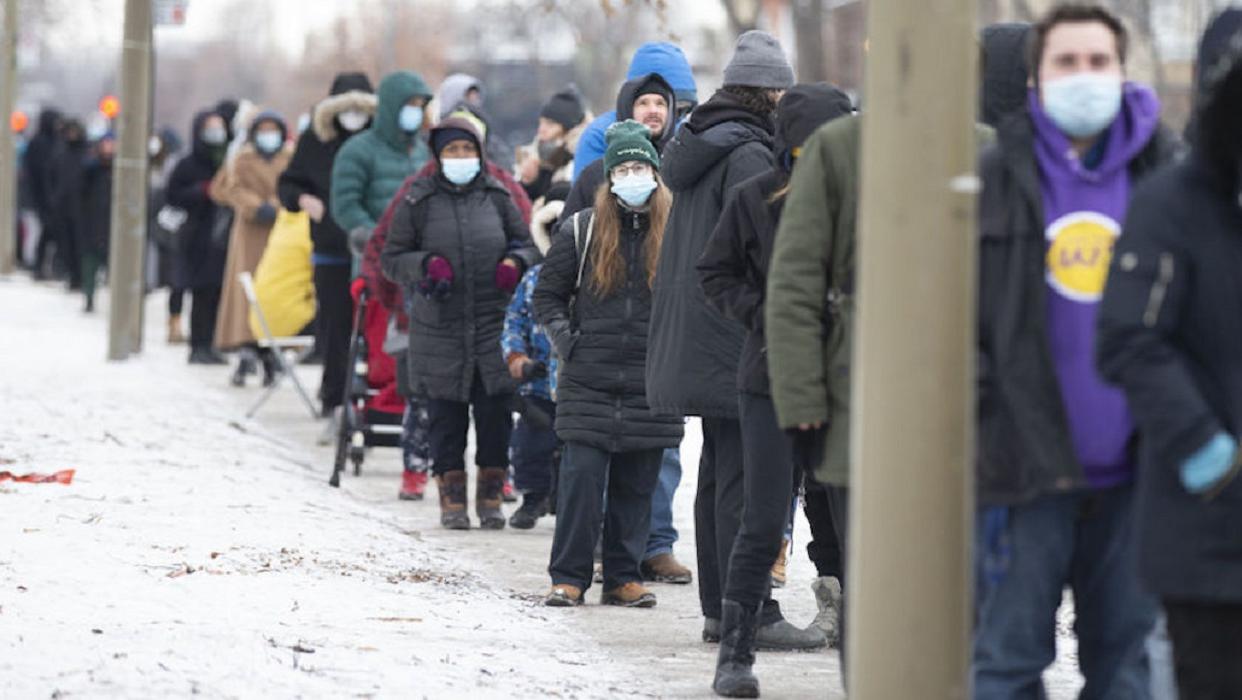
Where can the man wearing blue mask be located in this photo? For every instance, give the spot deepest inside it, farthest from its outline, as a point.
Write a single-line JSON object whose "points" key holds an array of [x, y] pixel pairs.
{"points": [[1056, 450]]}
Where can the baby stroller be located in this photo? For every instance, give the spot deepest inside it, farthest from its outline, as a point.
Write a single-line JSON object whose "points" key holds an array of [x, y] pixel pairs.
{"points": [[372, 410]]}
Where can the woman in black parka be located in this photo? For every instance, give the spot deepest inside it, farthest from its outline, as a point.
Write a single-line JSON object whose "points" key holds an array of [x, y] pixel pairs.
{"points": [[594, 298], [458, 238]]}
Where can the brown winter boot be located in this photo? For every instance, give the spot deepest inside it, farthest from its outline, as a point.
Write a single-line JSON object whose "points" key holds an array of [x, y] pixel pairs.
{"points": [[452, 487], [631, 594], [488, 496], [175, 336], [664, 568]]}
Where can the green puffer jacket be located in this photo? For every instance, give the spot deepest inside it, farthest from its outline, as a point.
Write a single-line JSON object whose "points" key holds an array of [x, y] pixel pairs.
{"points": [[371, 166], [809, 314], [812, 262]]}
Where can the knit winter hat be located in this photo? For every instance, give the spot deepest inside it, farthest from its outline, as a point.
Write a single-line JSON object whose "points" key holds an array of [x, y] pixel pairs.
{"points": [[759, 61], [627, 141], [565, 108]]}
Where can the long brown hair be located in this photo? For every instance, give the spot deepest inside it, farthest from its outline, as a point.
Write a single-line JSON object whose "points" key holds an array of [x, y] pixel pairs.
{"points": [[607, 263]]}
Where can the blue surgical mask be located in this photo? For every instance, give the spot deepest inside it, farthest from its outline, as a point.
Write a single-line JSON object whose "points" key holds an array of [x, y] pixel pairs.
{"points": [[410, 119], [1084, 104], [268, 141], [459, 171], [634, 190]]}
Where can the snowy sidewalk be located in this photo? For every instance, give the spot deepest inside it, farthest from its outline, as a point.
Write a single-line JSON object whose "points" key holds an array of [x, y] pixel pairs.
{"points": [[200, 553]]}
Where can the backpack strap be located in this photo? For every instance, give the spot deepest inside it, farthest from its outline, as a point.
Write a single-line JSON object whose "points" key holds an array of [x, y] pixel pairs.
{"points": [[582, 246]]}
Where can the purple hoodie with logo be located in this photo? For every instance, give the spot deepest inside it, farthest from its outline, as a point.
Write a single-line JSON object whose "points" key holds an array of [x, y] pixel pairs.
{"points": [[1083, 211]]}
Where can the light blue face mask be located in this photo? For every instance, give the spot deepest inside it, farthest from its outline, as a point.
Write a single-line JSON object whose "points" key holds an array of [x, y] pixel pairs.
{"points": [[634, 190], [410, 119], [268, 141], [1084, 104], [459, 171]]}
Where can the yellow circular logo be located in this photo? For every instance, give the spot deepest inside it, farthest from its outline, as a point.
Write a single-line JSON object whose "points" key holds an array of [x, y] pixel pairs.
{"points": [[1079, 252]]}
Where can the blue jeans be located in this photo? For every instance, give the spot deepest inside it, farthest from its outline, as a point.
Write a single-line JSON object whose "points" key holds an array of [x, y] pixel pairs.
{"points": [[1083, 540], [663, 535]]}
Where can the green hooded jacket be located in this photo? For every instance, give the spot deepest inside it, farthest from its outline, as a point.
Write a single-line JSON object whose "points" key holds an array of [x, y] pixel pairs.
{"points": [[810, 306], [371, 166]]}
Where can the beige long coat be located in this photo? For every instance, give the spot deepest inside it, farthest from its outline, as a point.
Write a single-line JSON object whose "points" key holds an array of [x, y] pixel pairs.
{"points": [[245, 184]]}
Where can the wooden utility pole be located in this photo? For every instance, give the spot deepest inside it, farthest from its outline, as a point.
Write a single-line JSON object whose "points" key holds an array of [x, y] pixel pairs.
{"points": [[8, 154], [912, 472], [129, 184]]}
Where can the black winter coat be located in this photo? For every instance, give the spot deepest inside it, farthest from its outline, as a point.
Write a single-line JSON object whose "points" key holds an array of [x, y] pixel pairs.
{"points": [[37, 163], [66, 178], [693, 351], [601, 392], [1171, 336], [310, 169], [95, 209], [202, 255], [473, 227], [1024, 444], [734, 269]]}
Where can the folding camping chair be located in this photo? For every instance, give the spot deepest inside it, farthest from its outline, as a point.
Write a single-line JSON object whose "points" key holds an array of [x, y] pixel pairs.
{"points": [[301, 346]]}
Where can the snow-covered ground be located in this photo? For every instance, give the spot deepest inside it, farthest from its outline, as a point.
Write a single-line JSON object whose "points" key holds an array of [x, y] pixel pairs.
{"points": [[197, 552]]}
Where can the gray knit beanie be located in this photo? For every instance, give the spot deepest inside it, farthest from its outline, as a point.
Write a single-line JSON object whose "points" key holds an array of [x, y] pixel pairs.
{"points": [[759, 61]]}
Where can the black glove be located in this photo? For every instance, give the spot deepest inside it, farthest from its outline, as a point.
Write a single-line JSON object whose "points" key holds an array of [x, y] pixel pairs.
{"points": [[807, 447], [531, 413], [534, 370], [265, 215]]}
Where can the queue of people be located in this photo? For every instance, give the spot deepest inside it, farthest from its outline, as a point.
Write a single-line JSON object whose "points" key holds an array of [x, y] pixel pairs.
{"points": [[675, 258]]}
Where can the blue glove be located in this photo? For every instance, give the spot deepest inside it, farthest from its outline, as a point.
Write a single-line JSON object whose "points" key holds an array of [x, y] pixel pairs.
{"points": [[1211, 465]]}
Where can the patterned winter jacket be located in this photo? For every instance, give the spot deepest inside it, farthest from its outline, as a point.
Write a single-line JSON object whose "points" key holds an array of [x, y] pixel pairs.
{"points": [[523, 336]]}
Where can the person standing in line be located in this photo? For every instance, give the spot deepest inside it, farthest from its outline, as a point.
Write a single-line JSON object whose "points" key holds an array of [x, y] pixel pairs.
{"points": [[247, 184], [203, 238], [693, 350], [594, 299], [1057, 445], [734, 270], [460, 240], [1169, 336]]}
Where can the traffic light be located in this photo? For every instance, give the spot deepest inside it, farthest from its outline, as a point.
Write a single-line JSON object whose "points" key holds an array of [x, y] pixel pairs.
{"points": [[110, 106]]}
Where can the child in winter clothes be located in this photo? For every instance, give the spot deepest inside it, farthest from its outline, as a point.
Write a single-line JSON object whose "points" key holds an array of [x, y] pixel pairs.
{"points": [[533, 447]]}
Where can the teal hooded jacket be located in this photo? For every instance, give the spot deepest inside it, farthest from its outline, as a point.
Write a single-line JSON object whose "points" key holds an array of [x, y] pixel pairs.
{"points": [[371, 166]]}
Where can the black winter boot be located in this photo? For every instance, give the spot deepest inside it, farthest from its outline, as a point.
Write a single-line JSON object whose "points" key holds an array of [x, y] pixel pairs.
{"points": [[271, 368], [734, 678], [534, 506]]}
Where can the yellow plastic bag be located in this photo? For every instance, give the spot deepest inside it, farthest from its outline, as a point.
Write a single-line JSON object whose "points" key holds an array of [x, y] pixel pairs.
{"points": [[284, 280]]}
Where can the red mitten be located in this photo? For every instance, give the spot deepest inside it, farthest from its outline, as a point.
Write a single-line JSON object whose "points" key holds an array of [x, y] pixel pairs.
{"points": [[356, 287]]}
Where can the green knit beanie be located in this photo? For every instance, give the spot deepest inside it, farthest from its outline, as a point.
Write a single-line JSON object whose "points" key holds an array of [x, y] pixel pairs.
{"points": [[629, 140]]}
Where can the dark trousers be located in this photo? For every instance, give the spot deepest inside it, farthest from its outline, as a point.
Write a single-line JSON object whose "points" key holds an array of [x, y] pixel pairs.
{"points": [[613, 488], [767, 478], [718, 513], [176, 300], [839, 510], [533, 449], [204, 304], [1084, 540], [825, 548], [1207, 649], [335, 322], [448, 422]]}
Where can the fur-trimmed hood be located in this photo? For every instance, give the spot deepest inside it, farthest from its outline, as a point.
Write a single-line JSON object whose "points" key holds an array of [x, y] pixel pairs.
{"points": [[324, 120]]}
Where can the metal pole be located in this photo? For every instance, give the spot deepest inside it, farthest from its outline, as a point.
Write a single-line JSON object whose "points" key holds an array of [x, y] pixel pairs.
{"points": [[129, 185], [909, 590], [8, 154]]}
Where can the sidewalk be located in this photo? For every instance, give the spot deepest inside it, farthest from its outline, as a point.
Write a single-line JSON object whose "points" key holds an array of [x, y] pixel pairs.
{"points": [[197, 552]]}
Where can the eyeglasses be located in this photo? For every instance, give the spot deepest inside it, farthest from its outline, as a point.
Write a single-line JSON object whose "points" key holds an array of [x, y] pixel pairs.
{"points": [[636, 168]]}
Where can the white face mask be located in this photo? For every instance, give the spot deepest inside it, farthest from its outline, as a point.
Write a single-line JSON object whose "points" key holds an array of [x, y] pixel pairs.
{"points": [[352, 120], [153, 146]]}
